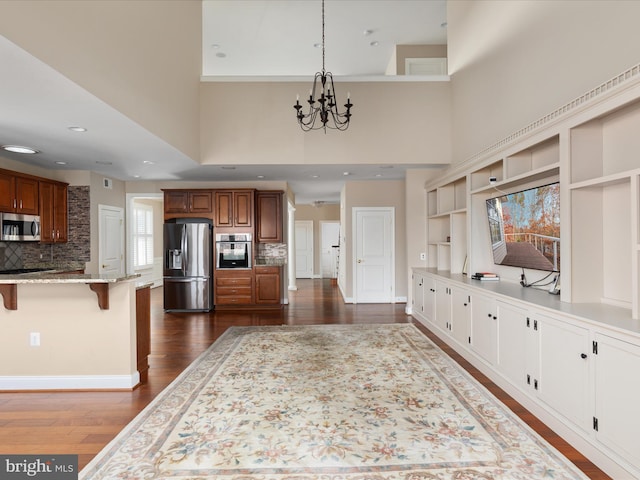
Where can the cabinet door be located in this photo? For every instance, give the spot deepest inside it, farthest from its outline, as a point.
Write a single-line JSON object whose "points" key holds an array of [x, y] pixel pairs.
{"points": [[268, 285], [27, 196], [617, 388], [242, 209], [429, 289], [176, 202], [484, 328], [512, 344], [460, 326], [47, 227], [418, 295], [60, 212], [7, 193], [269, 217], [200, 202], [443, 306], [564, 369], [224, 209]]}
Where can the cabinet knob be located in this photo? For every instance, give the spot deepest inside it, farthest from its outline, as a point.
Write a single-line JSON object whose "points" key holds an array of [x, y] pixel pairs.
{"points": [[583, 355]]}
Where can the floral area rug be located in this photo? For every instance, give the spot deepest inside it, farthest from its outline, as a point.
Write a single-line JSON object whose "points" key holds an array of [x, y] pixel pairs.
{"points": [[331, 402]]}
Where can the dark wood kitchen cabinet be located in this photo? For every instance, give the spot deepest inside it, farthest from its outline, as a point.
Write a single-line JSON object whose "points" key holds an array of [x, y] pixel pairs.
{"points": [[188, 203], [54, 217], [233, 288], [234, 208], [18, 194], [267, 285], [269, 216]]}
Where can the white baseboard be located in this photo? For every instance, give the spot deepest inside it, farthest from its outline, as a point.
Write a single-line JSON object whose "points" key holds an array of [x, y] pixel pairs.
{"points": [[401, 300], [70, 382]]}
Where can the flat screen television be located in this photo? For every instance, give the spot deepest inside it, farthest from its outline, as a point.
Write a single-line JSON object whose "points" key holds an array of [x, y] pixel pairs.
{"points": [[525, 228]]}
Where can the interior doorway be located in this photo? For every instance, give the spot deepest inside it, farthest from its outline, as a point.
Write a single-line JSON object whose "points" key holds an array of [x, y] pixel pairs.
{"points": [[111, 240], [329, 243], [304, 248], [373, 245]]}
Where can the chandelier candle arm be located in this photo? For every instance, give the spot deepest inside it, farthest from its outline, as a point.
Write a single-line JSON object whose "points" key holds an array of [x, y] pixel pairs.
{"points": [[326, 109]]}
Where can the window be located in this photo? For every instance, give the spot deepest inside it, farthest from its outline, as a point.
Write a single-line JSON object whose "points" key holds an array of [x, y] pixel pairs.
{"points": [[142, 236]]}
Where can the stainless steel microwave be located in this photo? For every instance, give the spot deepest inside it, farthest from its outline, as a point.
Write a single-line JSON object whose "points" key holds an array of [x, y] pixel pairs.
{"points": [[15, 227]]}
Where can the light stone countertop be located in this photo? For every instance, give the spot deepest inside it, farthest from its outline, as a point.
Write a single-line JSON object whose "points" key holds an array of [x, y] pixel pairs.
{"points": [[61, 277]]}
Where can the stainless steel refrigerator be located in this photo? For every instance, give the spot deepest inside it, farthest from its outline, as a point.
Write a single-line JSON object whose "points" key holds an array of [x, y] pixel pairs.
{"points": [[187, 266]]}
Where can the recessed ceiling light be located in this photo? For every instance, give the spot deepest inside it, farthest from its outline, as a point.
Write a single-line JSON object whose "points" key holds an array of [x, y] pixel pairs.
{"points": [[19, 149], [101, 162], [260, 176], [221, 55], [148, 162], [375, 43], [378, 174], [228, 168], [215, 45], [443, 24], [60, 163], [77, 129], [367, 32], [136, 176], [346, 173], [315, 176]]}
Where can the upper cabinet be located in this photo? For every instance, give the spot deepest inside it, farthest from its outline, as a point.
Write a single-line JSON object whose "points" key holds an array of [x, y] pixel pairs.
{"points": [[234, 208], [18, 194], [188, 203], [53, 212], [269, 216]]}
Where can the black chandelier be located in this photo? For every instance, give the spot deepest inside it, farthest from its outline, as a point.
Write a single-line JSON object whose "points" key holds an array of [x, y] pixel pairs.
{"points": [[323, 107]]}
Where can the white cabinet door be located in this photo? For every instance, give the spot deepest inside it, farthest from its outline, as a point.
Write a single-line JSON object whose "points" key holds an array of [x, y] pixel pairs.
{"points": [[617, 389], [460, 325], [564, 369], [418, 295], [443, 306], [429, 299], [512, 341], [484, 328]]}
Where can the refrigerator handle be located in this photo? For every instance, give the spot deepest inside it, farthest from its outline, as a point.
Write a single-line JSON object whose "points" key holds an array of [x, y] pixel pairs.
{"points": [[185, 252]]}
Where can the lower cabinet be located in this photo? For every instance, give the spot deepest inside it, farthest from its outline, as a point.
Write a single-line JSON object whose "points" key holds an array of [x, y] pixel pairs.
{"points": [[484, 328], [233, 287], [585, 376], [460, 323], [267, 285], [617, 389], [564, 369]]}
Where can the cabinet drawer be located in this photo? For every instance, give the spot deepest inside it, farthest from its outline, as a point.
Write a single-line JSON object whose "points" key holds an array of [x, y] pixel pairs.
{"points": [[234, 290], [269, 269], [237, 300], [233, 281]]}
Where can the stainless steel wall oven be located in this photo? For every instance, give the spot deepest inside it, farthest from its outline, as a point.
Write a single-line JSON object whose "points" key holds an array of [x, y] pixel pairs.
{"points": [[233, 250]]}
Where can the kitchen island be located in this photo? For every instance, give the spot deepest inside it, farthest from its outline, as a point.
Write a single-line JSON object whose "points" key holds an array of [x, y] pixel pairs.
{"points": [[72, 331]]}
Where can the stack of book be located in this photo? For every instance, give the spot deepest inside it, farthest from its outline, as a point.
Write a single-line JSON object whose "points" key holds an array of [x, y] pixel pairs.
{"points": [[485, 276]]}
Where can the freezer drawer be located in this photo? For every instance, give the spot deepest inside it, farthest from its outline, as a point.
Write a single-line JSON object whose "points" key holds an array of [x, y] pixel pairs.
{"points": [[187, 294]]}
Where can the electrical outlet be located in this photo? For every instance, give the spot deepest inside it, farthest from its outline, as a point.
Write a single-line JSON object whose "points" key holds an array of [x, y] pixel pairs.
{"points": [[423, 256], [34, 339]]}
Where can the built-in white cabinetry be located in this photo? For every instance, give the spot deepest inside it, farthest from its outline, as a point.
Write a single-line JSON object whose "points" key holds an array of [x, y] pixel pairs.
{"points": [[564, 369], [484, 327], [617, 389], [539, 347]]}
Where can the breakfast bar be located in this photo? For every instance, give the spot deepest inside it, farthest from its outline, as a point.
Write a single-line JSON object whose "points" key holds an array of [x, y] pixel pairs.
{"points": [[73, 331]]}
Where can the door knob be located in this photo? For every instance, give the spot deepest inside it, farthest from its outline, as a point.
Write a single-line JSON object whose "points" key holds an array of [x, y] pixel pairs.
{"points": [[105, 266], [359, 260]]}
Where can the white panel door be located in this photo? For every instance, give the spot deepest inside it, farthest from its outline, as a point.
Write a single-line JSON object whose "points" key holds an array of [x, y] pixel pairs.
{"points": [[373, 239], [111, 235], [304, 249], [329, 238]]}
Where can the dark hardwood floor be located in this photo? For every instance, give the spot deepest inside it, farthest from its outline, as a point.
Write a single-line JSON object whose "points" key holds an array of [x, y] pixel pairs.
{"points": [[84, 422]]}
